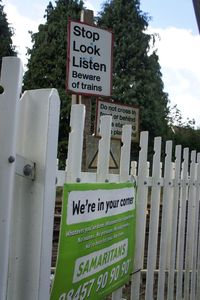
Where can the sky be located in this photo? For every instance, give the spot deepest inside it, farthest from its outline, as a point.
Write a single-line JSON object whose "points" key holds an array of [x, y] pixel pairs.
{"points": [[178, 43]]}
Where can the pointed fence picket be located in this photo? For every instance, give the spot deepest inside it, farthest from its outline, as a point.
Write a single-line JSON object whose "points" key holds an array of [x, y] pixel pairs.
{"points": [[141, 200], [175, 204], [164, 240], [197, 235], [154, 217]]}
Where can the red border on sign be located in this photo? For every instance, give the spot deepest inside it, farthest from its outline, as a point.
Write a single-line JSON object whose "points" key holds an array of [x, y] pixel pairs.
{"points": [[68, 59], [117, 103]]}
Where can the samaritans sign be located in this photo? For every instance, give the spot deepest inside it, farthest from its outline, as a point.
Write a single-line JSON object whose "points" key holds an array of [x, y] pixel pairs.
{"points": [[89, 65], [97, 237]]}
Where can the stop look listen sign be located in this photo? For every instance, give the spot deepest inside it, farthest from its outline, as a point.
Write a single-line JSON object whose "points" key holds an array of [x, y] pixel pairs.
{"points": [[89, 65]]}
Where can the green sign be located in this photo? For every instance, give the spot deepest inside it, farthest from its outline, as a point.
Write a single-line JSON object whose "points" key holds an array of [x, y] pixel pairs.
{"points": [[97, 238]]}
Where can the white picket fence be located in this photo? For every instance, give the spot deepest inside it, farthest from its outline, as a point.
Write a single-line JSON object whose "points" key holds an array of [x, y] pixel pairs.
{"points": [[171, 269], [167, 256]]}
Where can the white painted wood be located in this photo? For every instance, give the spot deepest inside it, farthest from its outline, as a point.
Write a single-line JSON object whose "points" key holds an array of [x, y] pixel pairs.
{"points": [[11, 81], [74, 99], [134, 169], [117, 295], [141, 206], [124, 174], [196, 225], [86, 177], [34, 201], [190, 226], [181, 229], [198, 238], [172, 266], [153, 226], [125, 153], [104, 149], [75, 146], [61, 178], [103, 165], [170, 215], [165, 220]]}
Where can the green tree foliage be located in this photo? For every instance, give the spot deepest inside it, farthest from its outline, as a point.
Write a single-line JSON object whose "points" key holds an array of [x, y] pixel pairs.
{"points": [[137, 78], [6, 33], [183, 132], [47, 59], [187, 136]]}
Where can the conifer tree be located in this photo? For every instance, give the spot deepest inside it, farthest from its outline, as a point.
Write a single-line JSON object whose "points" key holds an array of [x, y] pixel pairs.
{"points": [[47, 60], [6, 33], [137, 77]]}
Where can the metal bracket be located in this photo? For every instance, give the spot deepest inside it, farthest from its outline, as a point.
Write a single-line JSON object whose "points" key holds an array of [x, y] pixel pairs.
{"points": [[25, 167]]}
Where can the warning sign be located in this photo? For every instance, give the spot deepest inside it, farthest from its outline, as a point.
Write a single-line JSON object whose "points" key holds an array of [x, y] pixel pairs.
{"points": [[89, 65], [121, 115], [92, 144], [112, 162]]}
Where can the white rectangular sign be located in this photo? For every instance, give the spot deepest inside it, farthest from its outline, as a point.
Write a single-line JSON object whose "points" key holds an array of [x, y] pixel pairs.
{"points": [[85, 206], [89, 65], [121, 115]]}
